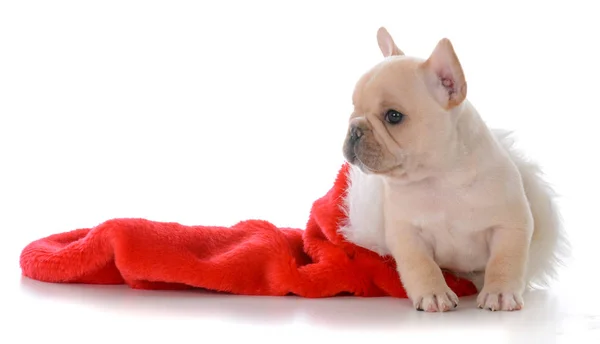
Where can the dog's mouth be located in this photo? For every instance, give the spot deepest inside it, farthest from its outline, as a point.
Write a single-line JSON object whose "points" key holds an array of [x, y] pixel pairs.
{"points": [[369, 170], [353, 160], [367, 164]]}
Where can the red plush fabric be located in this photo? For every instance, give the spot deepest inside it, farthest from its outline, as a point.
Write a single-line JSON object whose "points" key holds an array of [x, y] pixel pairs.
{"points": [[251, 258]]}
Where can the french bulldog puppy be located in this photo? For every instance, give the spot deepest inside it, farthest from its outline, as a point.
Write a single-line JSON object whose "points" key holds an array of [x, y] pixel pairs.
{"points": [[431, 185]]}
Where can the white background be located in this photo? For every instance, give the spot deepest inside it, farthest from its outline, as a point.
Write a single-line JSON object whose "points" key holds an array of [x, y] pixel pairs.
{"points": [[213, 112]]}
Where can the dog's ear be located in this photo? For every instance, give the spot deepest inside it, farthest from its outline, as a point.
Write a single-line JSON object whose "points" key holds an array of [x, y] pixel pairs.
{"points": [[444, 75], [386, 43]]}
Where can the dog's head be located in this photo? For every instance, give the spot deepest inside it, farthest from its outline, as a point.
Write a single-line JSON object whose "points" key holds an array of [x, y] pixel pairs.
{"points": [[405, 109]]}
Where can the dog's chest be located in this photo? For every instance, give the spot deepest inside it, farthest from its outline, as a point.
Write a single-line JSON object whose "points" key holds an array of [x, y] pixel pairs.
{"points": [[453, 222]]}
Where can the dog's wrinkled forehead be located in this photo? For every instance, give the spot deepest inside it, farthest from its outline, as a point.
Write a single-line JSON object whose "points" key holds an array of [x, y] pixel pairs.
{"points": [[385, 85]]}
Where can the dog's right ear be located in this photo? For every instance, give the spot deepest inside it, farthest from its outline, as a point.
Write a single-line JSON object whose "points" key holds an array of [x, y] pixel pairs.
{"points": [[386, 43]]}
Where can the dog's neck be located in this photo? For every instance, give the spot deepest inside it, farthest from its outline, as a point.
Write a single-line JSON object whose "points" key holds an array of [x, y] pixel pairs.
{"points": [[472, 142], [470, 148]]}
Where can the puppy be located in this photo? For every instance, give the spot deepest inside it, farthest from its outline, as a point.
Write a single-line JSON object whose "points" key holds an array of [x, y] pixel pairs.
{"points": [[436, 189]]}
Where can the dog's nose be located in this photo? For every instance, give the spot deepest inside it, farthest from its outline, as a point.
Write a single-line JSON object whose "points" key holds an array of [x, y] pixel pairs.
{"points": [[355, 134]]}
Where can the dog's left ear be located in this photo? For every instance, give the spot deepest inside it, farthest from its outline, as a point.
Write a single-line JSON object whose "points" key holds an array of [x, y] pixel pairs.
{"points": [[386, 43], [444, 75]]}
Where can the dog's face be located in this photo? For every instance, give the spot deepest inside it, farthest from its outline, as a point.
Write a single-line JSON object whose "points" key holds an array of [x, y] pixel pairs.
{"points": [[405, 110]]}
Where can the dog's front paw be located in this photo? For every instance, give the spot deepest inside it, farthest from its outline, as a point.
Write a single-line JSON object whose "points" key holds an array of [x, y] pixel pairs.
{"points": [[440, 301], [499, 300]]}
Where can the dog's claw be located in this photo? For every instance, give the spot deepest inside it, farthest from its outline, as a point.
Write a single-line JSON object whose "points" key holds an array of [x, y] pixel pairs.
{"points": [[437, 302], [500, 301]]}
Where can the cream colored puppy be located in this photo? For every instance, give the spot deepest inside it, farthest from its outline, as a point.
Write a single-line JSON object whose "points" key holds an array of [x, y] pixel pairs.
{"points": [[436, 189]]}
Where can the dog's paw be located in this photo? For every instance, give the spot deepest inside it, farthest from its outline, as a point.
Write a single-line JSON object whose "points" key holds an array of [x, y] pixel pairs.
{"points": [[441, 301], [500, 301]]}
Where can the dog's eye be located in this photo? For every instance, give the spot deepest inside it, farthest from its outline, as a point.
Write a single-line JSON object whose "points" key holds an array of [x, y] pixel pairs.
{"points": [[393, 117]]}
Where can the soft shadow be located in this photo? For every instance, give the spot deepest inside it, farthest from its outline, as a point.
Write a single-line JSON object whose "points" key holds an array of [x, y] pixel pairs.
{"points": [[338, 311], [346, 312]]}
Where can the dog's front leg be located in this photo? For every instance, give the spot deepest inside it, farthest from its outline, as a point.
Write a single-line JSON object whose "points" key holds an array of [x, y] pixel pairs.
{"points": [[505, 271], [420, 275]]}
